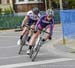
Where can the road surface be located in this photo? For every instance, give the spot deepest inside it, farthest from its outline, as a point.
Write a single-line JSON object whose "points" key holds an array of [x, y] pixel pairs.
{"points": [[47, 57]]}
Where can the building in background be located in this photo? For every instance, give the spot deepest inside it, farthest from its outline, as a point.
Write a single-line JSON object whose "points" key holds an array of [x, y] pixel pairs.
{"points": [[25, 5], [21, 5]]}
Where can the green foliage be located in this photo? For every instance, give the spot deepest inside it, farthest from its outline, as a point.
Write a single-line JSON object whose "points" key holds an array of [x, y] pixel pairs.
{"points": [[8, 21], [8, 11], [71, 3], [0, 11]]}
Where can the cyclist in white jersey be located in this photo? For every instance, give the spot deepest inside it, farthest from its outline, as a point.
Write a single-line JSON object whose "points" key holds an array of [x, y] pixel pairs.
{"points": [[30, 20]]}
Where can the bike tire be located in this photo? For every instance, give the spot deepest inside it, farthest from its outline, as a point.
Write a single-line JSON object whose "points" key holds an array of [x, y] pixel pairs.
{"points": [[31, 52], [23, 40], [20, 49], [35, 53], [21, 46]]}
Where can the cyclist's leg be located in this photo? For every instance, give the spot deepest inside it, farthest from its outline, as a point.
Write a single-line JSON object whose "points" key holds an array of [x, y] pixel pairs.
{"points": [[23, 32], [30, 32], [26, 28], [33, 38], [35, 35]]}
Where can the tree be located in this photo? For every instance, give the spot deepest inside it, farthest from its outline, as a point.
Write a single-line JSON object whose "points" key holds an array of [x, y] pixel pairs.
{"points": [[71, 4], [53, 4]]}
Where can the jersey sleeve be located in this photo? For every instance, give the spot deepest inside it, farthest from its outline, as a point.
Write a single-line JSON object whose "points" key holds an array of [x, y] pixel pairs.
{"points": [[52, 21], [29, 13]]}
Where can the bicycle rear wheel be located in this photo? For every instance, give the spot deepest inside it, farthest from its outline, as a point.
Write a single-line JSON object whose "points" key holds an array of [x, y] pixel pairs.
{"points": [[20, 49]]}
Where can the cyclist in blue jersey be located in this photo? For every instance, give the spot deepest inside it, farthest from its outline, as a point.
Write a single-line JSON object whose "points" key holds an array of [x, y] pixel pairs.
{"points": [[30, 20], [46, 22]]}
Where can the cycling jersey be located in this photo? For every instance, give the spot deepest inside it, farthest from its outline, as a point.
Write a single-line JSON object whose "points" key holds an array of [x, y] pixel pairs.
{"points": [[32, 18], [44, 23]]}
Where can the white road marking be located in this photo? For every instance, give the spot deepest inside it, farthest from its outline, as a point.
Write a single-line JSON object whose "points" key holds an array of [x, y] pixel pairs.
{"points": [[10, 36], [36, 63], [3, 58], [9, 46]]}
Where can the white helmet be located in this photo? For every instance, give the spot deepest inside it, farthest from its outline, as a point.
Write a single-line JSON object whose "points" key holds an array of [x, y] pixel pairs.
{"points": [[50, 12], [36, 10]]}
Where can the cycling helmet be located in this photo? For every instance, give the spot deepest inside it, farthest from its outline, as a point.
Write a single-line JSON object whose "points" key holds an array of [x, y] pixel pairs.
{"points": [[35, 10], [50, 12]]}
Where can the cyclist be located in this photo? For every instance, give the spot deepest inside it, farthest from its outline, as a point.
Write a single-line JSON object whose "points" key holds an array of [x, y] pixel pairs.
{"points": [[30, 20], [46, 22]]}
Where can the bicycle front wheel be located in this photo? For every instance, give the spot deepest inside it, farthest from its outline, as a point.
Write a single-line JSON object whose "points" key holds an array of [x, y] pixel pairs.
{"points": [[23, 42], [35, 53]]}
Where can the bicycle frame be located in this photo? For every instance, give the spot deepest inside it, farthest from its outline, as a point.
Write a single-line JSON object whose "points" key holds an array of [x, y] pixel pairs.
{"points": [[38, 40]]}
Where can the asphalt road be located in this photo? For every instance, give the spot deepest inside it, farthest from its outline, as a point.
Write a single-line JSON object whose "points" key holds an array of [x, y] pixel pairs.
{"points": [[47, 57]]}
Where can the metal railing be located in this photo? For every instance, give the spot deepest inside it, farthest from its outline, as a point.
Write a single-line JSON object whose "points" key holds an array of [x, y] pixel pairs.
{"points": [[13, 21], [10, 21]]}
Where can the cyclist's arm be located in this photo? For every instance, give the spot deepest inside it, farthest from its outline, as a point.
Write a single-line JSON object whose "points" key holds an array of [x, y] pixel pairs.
{"points": [[24, 21], [26, 18], [51, 27]]}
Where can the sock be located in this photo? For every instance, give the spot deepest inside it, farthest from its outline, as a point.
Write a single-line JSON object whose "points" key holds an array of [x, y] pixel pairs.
{"points": [[43, 40], [28, 38], [50, 37], [21, 37], [30, 46]]}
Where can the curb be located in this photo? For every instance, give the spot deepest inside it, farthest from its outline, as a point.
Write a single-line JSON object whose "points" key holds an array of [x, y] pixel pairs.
{"points": [[52, 48]]}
